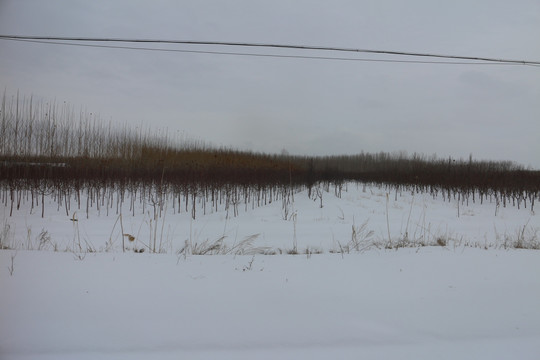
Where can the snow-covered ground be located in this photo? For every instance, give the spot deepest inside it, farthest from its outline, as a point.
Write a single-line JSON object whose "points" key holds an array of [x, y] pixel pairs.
{"points": [[458, 301], [388, 218]]}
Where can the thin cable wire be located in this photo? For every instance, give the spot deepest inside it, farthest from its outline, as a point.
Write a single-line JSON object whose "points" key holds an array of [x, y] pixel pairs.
{"points": [[267, 55], [282, 46]]}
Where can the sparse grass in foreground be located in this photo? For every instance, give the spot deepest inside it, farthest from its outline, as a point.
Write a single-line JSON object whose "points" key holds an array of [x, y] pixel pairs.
{"points": [[524, 237], [219, 247]]}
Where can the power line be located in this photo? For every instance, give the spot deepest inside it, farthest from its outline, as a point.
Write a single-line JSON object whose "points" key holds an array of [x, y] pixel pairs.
{"points": [[55, 40], [265, 55]]}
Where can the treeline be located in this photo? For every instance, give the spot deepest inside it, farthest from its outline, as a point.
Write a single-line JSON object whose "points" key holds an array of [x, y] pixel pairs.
{"points": [[428, 173], [215, 166], [48, 146]]}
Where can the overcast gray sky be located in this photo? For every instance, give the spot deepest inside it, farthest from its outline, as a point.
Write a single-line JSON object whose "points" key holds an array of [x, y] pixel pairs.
{"points": [[308, 107]]}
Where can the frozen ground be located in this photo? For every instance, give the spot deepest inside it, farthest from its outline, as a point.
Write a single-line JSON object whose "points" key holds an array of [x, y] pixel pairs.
{"points": [[406, 304], [457, 301]]}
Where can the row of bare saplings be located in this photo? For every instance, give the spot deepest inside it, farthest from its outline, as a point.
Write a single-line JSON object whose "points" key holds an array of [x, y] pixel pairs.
{"points": [[107, 189], [188, 183], [465, 180], [47, 149]]}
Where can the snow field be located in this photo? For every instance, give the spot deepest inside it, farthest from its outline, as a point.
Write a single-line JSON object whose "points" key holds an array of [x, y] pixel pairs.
{"points": [[473, 298], [406, 304]]}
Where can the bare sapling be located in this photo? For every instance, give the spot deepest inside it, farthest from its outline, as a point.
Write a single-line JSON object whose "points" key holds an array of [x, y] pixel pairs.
{"points": [[320, 196], [295, 241], [388, 222], [11, 267]]}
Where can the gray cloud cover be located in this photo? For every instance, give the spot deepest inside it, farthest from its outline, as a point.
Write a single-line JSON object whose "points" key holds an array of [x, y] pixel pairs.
{"points": [[306, 106]]}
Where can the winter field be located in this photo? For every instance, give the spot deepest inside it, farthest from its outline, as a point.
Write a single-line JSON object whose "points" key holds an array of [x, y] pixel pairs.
{"points": [[365, 272]]}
